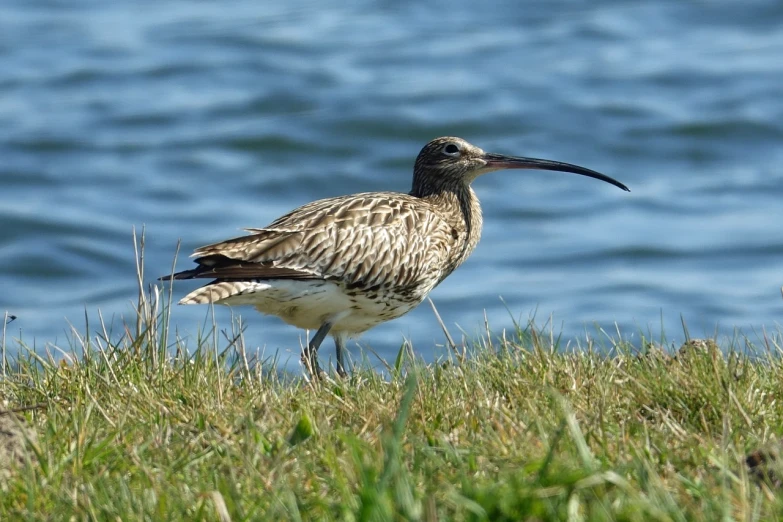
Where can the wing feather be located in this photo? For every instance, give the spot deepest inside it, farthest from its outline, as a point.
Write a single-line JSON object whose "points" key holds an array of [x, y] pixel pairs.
{"points": [[373, 239]]}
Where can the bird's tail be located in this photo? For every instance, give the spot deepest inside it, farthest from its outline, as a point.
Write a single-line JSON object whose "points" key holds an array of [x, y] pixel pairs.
{"points": [[222, 290], [185, 274]]}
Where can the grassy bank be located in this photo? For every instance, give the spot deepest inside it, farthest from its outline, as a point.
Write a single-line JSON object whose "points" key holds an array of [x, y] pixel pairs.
{"points": [[516, 432], [138, 428]]}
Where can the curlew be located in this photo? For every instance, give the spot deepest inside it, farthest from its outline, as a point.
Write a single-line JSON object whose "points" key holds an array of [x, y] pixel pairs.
{"points": [[343, 265]]}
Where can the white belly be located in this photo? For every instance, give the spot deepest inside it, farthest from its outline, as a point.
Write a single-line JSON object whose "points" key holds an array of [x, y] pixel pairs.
{"points": [[309, 304]]}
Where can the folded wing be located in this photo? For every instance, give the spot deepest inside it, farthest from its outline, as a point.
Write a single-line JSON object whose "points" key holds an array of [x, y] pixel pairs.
{"points": [[371, 240]]}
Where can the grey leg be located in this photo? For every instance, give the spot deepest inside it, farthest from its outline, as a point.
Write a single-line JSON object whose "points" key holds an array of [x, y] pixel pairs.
{"points": [[339, 346], [310, 353]]}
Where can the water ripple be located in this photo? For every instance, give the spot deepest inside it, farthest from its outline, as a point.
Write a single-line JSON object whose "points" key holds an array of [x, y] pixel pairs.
{"points": [[196, 120]]}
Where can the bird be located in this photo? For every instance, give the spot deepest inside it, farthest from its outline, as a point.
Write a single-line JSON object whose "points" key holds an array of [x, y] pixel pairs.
{"points": [[343, 265]]}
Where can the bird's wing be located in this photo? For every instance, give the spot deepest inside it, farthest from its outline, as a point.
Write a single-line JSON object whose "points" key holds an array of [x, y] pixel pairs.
{"points": [[372, 239]]}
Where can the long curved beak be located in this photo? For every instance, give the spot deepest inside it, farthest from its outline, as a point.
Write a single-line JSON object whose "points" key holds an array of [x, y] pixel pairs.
{"points": [[499, 161]]}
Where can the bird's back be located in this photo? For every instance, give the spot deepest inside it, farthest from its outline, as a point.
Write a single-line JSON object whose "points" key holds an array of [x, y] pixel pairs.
{"points": [[379, 242]]}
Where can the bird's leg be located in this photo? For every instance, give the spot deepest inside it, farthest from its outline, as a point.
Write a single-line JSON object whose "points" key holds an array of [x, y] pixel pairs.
{"points": [[339, 346], [310, 353]]}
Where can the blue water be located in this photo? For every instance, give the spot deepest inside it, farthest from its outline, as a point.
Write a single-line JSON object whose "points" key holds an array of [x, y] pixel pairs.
{"points": [[196, 119]]}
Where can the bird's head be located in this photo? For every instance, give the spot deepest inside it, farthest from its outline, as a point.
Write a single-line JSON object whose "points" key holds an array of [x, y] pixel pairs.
{"points": [[453, 162]]}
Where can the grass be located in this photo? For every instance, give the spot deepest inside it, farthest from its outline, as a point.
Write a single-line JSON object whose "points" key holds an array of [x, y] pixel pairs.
{"points": [[140, 429]]}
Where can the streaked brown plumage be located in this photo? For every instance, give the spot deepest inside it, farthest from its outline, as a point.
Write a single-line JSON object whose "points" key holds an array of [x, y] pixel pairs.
{"points": [[343, 265]]}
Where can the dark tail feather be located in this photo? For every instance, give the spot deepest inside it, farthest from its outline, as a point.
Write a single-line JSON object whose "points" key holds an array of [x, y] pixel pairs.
{"points": [[222, 268], [187, 274]]}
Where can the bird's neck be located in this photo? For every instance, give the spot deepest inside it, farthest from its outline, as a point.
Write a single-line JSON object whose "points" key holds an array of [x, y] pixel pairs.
{"points": [[461, 208]]}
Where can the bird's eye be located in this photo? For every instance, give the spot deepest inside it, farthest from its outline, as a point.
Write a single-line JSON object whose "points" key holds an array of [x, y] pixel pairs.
{"points": [[451, 150]]}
